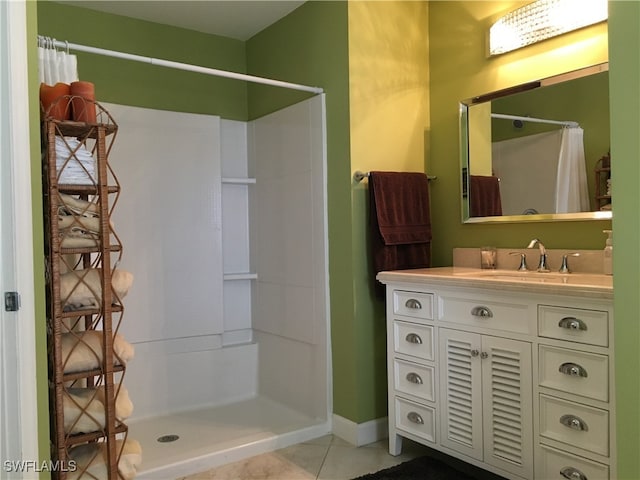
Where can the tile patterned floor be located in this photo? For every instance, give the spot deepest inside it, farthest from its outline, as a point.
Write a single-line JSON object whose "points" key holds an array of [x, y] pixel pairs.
{"points": [[325, 458]]}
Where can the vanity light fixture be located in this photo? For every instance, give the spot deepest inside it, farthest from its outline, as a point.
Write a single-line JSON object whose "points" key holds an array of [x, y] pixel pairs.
{"points": [[541, 20]]}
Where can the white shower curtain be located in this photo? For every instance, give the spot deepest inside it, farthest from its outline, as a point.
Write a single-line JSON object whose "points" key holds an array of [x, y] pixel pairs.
{"points": [[55, 66], [572, 193]]}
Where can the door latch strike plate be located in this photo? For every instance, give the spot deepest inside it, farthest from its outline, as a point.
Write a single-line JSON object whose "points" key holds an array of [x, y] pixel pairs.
{"points": [[11, 301]]}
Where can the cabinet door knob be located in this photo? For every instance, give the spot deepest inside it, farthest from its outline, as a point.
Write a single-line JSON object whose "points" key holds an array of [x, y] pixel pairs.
{"points": [[413, 338], [482, 312], [572, 323], [475, 352], [574, 422], [413, 304], [573, 370], [572, 473], [415, 417], [414, 378]]}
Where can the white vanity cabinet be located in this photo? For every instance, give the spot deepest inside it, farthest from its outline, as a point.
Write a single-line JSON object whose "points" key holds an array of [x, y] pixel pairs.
{"points": [[576, 394], [515, 380], [486, 399]]}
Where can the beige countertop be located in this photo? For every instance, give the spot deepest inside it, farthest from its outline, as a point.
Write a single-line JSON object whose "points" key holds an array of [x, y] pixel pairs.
{"points": [[594, 285]]}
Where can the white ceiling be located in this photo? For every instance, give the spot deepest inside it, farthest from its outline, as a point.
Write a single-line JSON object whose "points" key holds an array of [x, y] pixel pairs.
{"points": [[239, 19]]}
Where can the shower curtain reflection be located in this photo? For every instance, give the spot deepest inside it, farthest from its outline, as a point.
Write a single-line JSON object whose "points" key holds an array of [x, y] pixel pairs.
{"points": [[542, 173], [572, 193]]}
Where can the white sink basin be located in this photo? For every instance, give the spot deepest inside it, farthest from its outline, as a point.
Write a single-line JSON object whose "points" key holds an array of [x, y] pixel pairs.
{"points": [[586, 279]]}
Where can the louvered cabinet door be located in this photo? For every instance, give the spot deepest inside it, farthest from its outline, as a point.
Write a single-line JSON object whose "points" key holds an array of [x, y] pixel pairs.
{"points": [[461, 392], [507, 405]]}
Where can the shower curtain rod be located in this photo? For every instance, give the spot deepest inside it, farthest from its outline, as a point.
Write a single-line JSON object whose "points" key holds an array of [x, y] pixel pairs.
{"points": [[536, 120], [181, 66]]}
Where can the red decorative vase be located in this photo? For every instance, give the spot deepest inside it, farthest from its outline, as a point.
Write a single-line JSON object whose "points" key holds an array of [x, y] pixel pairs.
{"points": [[52, 105], [82, 98]]}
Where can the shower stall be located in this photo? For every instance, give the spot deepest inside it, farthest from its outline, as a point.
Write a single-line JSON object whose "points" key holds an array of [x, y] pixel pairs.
{"points": [[224, 227]]}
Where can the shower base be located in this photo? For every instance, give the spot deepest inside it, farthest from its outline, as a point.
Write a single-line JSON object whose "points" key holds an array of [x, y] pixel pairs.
{"points": [[210, 437]]}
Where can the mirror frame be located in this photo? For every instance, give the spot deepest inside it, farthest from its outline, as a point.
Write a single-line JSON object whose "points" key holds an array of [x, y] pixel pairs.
{"points": [[464, 151]]}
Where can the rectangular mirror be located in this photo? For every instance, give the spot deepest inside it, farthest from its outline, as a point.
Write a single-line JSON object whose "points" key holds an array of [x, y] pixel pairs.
{"points": [[538, 151]]}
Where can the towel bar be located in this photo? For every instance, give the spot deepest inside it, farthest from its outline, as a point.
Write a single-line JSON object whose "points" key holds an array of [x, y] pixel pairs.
{"points": [[358, 176]]}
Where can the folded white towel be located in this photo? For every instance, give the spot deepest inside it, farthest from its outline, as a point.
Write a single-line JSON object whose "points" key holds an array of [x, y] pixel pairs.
{"points": [[74, 163], [82, 351], [91, 460], [84, 408], [82, 288]]}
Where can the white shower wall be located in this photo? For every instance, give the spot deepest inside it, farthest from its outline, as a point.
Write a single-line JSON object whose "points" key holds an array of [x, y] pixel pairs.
{"points": [[289, 251], [206, 330]]}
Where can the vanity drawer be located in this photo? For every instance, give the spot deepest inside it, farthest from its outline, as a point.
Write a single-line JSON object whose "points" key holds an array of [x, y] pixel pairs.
{"points": [[417, 419], [581, 373], [413, 304], [577, 425], [510, 317], [555, 464], [574, 324], [414, 379], [413, 339]]}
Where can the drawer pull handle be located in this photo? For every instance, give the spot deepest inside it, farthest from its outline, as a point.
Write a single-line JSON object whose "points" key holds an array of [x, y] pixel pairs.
{"points": [[574, 422], [413, 338], [573, 370], [414, 378], [572, 323], [413, 304], [482, 312], [415, 417], [572, 473]]}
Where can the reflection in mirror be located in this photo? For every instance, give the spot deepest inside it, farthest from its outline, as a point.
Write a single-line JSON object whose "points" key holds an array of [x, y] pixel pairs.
{"points": [[537, 151]]}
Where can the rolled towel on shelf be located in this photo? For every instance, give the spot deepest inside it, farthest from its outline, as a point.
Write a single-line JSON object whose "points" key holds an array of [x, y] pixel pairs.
{"points": [[82, 351], [84, 408], [70, 205], [82, 288], [77, 231], [91, 460]]}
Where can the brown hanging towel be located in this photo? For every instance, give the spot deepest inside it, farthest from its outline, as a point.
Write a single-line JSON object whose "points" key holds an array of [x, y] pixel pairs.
{"points": [[484, 196], [400, 222]]}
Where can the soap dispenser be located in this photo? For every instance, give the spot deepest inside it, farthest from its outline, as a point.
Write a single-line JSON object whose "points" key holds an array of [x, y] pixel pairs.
{"points": [[608, 253]]}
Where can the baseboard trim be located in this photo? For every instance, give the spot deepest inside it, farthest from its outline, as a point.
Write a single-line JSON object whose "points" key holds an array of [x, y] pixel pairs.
{"points": [[359, 434]]}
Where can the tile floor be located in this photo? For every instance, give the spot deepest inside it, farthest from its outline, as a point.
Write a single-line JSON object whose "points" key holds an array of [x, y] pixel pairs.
{"points": [[325, 458], [330, 458]]}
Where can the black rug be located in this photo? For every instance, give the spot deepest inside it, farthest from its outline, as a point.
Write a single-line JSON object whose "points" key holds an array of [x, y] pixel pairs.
{"points": [[428, 468]]}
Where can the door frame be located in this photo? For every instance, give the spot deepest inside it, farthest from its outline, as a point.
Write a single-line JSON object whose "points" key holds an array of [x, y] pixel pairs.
{"points": [[18, 438]]}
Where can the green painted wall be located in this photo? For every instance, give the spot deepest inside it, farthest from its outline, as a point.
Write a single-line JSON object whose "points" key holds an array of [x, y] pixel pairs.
{"points": [[624, 39], [144, 85], [309, 46]]}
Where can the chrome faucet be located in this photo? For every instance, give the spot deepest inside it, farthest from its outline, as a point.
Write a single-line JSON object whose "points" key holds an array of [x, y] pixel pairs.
{"points": [[542, 265], [564, 268]]}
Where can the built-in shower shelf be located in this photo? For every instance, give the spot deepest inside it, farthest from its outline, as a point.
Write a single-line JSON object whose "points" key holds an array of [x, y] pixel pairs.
{"points": [[238, 180], [240, 276]]}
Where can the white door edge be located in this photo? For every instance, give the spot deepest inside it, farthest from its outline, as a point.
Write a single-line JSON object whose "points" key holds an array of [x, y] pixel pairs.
{"points": [[17, 118]]}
